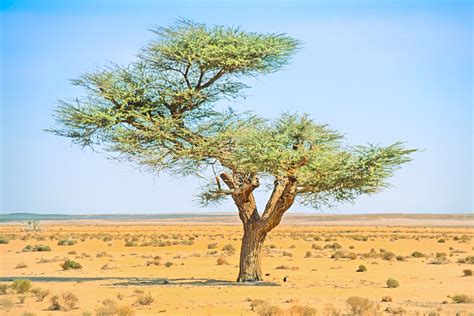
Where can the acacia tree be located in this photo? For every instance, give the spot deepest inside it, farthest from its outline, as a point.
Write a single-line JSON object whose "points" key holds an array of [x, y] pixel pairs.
{"points": [[160, 113]]}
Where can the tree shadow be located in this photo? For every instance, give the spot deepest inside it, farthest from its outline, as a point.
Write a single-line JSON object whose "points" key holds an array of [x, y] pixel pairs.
{"points": [[133, 281]]}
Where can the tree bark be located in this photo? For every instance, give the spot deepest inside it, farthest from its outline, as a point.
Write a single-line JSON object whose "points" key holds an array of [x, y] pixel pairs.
{"points": [[251, 254], [256, 228]]}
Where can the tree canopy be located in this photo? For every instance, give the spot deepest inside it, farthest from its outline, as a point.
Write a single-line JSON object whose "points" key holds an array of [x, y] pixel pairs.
{"points": [[159, 112]]}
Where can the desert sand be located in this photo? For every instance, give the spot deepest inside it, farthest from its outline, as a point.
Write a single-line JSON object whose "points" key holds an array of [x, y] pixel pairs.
{"points": [[188, 267]]}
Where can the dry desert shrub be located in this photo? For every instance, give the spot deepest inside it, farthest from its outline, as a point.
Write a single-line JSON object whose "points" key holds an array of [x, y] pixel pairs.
{"points": [[229, 249], [467, 272], [6, 303], [263, 308], [298, 310], [39, 293], [330, 310], [4, 240], [316, 247], [463, 299], [221, 261], [3, 288], [342, 254], [361, 306], [144, 299], [110, 307], [400, 258], [333, 246], [21, 265], [212, 246], [468, 259], [63, 302], [395, 310], [388, 255]]}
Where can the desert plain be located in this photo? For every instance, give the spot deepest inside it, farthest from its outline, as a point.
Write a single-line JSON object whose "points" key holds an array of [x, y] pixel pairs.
{"points": [[334, 265]]}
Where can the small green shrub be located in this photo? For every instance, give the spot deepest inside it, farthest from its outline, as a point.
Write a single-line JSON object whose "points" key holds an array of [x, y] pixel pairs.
{"points": [[392, 283], [36, 248], [417, 254], [21, 286], [70, 264], [361, 268], [66, 242], [4, 240]]}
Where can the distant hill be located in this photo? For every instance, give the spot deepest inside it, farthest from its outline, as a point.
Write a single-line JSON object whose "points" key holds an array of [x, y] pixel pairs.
{"points": [[22, 217]]}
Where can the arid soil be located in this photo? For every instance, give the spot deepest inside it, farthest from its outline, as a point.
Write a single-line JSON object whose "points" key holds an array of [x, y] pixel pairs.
{"points": [[189, 268]]}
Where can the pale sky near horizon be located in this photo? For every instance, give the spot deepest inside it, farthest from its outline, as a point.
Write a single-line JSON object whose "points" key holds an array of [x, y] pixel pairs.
{"points": [[379, 71]]}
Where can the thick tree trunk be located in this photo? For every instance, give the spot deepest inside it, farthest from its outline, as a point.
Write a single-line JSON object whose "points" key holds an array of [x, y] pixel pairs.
{"points": [[251, 253]]}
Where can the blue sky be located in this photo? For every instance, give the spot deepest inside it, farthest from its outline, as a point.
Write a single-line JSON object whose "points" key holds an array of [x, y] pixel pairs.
{"points": [[379, 71]]}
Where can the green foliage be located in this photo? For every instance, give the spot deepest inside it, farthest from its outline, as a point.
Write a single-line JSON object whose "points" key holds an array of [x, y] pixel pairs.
{"points": [[35, 248], [392, 283], [70, 264], [21, 286], [362, 268], [4, 240], [66, 242], [159, 114]]}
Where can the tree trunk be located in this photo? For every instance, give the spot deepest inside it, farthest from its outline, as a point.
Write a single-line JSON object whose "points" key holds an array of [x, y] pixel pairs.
{"points": [[251, 253]]}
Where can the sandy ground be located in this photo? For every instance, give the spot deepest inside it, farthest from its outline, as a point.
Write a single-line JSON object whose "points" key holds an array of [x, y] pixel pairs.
{"points": [[196, 285]]}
